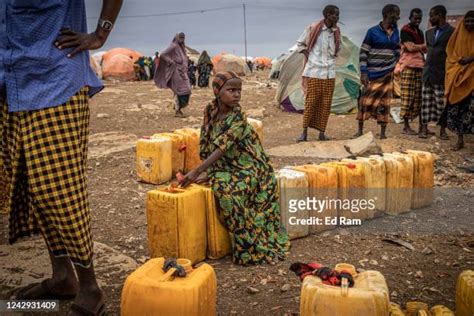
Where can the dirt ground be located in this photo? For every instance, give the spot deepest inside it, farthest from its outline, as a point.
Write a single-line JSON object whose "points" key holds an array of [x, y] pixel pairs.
{"points": [[442, 235]]}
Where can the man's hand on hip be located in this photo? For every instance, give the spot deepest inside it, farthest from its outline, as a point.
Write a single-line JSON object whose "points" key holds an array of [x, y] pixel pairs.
{"points": [[79, 41]]}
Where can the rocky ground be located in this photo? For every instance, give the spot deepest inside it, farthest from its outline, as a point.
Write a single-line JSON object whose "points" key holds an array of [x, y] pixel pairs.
{"points": [[441, 236]]}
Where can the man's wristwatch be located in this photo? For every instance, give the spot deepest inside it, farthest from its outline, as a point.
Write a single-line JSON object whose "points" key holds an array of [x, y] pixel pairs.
{"points": [[106, 25]]}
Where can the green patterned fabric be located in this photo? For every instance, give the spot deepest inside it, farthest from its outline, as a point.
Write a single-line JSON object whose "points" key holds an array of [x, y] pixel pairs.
{"points": [[245, 187]]}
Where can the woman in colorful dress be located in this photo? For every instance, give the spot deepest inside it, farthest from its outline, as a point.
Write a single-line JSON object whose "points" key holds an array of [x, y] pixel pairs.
{"points": [[241, 177], [204, 69]]}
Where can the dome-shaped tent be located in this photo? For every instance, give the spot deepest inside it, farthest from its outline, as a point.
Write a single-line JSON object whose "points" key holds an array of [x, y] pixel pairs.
{"points": [[118, 63], [229, 62]]}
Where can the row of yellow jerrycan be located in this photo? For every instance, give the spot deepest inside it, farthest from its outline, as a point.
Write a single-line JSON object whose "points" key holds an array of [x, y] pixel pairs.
{"points": [[151, 291], [162, 155], [419, 309], [390, 184]]}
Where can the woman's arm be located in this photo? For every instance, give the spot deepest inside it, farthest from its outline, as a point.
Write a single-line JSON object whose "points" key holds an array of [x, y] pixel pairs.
{"points": [[192, 175]]}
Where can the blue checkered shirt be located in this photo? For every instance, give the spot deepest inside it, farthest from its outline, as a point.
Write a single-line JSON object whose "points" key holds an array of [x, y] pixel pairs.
{"points": [[34, 74]]}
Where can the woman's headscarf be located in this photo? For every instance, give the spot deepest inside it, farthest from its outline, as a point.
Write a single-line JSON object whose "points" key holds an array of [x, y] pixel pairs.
{"points": [[204, 58], [211, 110], [459, 79]]}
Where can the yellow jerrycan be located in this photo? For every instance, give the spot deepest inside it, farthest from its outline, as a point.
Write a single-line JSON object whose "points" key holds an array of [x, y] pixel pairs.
{"points": [[293, 187], [399, 183], [153, 160], [257, 126], [369, 296], [149, 291], [218, 239], [191, 139], [465, 294], [322, 182], [352, 190], [414, 308], [395, 310], [376, 177], [176, 220], [423, 178], [178, 147], [441, 310]]}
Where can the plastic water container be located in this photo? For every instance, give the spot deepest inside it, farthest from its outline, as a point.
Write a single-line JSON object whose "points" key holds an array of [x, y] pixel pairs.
{"points": [[176, 220], [153, 160], [368, 297], [178, 147], [257, 126], [395, 310], [352, 190], [465, 294], [322, 182], [399, 183], [191, 139], [149, 291], [218, 240], [415, 307], [441, 310], [423, 178], [293, 186]]}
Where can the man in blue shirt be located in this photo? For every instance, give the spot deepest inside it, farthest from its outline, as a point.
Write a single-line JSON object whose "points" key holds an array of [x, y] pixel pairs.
{"points": [[45, 84], [379, 54]]}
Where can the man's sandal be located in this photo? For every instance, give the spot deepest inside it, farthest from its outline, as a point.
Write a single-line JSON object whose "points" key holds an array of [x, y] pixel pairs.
{"points": [[47, 293]]}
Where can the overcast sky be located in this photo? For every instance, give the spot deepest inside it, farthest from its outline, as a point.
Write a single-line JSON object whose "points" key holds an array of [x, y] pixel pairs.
{"points": [[272, 25]]}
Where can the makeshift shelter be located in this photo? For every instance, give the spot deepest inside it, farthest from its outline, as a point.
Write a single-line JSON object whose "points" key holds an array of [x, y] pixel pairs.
{"points": [[263, 62], [290, 95], [276, 66], [118, 63], [229, 62], [98, 56], [95, 66]]}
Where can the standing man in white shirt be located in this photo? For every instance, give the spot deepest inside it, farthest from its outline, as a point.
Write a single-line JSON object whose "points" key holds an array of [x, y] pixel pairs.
{"points": [[320, 43]]}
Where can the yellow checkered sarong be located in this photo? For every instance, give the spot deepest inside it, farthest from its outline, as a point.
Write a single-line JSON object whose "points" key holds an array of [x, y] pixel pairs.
{"points": [[44, 157], [410, 85], [317, 107]]}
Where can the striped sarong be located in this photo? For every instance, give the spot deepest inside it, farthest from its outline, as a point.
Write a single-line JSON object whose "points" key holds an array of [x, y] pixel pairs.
{"points": [[433, 103], [317, 107], [410, 86], [44, 153], [375, 100]]}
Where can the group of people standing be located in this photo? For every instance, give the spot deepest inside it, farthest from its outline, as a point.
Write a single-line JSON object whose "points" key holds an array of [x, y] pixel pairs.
{"points": [[436, 88]]}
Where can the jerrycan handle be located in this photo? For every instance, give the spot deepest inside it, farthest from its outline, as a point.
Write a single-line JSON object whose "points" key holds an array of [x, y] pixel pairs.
{"points": [[167, 276], [344, 287]]}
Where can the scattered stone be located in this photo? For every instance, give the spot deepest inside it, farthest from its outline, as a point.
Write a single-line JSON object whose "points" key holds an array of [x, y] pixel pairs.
{"points": [[394, 294], [103, 115], [438, 199], [419, 274], [374, 262], [385, 257], [285, 287], [427, 251], [254, 304], [252, 290]]}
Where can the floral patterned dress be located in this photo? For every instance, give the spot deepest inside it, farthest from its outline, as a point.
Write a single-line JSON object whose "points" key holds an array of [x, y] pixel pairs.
{"points": [[246, 190]]}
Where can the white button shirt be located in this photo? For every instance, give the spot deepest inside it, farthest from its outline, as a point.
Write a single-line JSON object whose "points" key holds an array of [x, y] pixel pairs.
{"points": [[322, 60]]}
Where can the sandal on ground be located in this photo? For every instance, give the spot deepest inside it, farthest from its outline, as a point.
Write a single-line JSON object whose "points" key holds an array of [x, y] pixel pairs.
{"points": [[80, 310], [47, 294], [302, 138], [409, 132]]}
